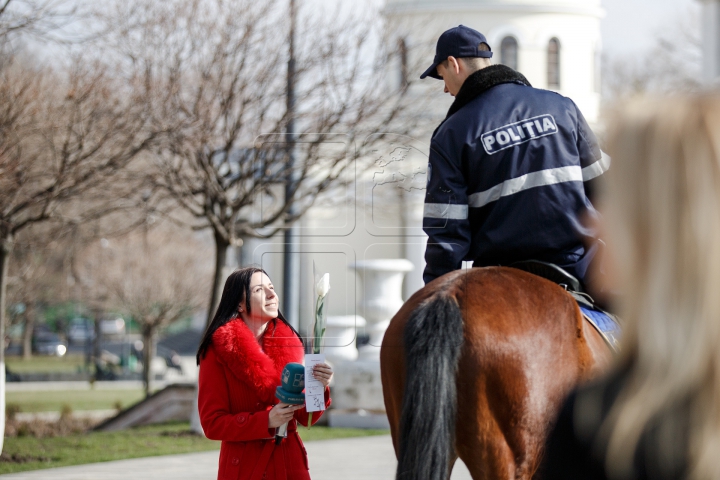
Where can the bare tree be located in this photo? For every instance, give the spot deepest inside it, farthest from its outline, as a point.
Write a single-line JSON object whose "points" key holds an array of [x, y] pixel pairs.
{"points": [[35, 278], [215, 78], [62, 136], [153, 276], [43, 267], [33, 17]]}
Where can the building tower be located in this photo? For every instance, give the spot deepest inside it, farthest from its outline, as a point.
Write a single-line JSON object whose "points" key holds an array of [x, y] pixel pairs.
{"points": [[556, 44], [711, 39]]}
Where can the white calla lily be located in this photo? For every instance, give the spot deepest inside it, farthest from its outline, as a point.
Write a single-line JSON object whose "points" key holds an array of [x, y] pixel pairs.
{"points": [[323, 286]]}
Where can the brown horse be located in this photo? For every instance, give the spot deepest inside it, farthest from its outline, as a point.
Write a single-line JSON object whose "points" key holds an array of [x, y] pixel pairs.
{"points": [[475, 365]]}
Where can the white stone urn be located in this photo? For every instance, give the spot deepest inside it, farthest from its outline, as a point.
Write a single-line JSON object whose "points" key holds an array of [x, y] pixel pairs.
{"points": [[340, 333], [382, 281]]}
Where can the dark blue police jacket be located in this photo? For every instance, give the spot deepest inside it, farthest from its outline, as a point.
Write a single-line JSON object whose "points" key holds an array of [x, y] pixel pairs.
{"points": [[508, 178]]}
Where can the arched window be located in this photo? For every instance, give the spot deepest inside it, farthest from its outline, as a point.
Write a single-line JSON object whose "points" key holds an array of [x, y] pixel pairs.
{"points": [[553, 63], [509, 52], [403, 52]]}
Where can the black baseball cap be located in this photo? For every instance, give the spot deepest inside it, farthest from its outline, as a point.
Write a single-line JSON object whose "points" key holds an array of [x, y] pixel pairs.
{"points": [[458, 42]]}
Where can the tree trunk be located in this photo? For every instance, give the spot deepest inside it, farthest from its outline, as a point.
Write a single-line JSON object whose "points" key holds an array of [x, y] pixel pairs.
{"points": [[5, 248], [28, 331], [221, 247], [96, 346], [148, 335]]}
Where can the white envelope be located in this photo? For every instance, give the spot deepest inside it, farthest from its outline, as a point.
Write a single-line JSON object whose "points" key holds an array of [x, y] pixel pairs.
{"points": [[314, 389]]}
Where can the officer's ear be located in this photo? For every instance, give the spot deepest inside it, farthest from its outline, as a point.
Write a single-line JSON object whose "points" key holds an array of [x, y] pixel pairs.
{"points": [[453, 64]]}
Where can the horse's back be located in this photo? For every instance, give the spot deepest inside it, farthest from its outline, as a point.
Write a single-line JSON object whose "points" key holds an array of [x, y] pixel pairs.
{"points": [[524, 347]]}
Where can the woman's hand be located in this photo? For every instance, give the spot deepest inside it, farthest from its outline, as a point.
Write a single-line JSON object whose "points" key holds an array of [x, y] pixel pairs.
{"points": [[323, 373], [282, 413]]}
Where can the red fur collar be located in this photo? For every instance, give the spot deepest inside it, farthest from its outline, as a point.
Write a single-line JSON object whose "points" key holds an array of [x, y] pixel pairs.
{"points": [[259, 368]]}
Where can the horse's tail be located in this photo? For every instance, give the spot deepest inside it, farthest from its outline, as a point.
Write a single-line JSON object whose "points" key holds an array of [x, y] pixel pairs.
{"points": [[433, 339]]}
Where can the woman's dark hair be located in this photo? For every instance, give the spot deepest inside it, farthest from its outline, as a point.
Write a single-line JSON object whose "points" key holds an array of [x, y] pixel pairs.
{"points": [[237, 288]]}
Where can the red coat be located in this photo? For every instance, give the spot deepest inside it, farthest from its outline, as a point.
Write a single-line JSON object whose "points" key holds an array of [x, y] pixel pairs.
{"points": [[236, 392]]}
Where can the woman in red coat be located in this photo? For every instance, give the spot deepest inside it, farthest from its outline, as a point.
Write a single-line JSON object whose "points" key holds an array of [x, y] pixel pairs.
{"points": [[241, 357]]}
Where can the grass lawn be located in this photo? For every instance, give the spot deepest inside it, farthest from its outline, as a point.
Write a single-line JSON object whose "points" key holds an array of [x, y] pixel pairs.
{"points": [[46, 364], [53, 401], [327, 433], [36, 453]]}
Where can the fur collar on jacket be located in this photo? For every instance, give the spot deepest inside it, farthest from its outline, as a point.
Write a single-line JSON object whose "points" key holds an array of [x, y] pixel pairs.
{"points": [[483, 80], [259, 368]]}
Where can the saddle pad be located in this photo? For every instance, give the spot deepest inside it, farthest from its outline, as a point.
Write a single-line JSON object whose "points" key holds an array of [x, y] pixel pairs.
{"points": [[608, 327]]}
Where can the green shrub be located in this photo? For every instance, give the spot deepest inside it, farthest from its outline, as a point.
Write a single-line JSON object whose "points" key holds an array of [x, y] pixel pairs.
{"points": [[66, 411], [12, 409]]}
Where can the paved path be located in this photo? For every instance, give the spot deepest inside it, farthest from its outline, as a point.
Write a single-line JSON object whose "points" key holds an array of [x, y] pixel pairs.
{"points": [[361, 458]]}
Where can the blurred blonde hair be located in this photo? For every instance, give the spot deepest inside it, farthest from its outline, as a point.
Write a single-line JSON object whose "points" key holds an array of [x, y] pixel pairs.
{"points": [[662, 208]]}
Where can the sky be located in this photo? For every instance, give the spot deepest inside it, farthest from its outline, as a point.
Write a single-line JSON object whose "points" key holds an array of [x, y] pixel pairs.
{"points": [[631, 26]]}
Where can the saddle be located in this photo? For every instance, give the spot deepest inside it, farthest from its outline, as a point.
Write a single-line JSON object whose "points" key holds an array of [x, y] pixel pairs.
{"points": [[606, 324]]}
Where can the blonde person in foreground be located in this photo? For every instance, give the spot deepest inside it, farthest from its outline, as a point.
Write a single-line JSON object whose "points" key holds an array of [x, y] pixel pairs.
{"points": [[657, 416]]}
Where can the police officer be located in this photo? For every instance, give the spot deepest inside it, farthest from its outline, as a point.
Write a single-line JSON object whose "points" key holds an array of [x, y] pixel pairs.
{"points": [[510, 168]]}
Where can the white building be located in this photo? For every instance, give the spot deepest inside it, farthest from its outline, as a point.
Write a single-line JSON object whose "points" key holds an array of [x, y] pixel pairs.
{"points": [[711, 39], [556, 44]]}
